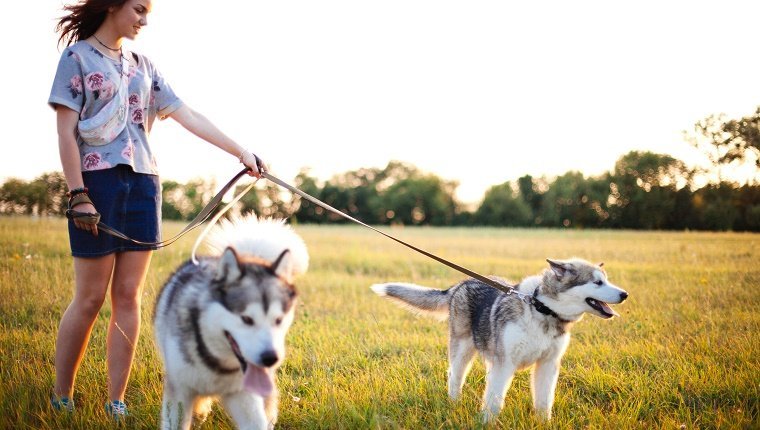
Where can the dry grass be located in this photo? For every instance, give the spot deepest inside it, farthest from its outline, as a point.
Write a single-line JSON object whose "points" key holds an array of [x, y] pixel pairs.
{"points": [[685, 352]]}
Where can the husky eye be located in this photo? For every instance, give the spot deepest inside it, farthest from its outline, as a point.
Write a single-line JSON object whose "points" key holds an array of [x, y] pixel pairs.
{"points": [[247, 320], [599, 282]]}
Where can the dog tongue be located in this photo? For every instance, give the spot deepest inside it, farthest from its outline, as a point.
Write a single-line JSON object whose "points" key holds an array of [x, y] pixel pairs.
{"points": [[257, 380], [608, 309]]}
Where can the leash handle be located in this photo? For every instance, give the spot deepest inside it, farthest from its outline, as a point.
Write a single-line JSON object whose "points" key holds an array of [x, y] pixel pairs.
{"points": [[488, 281], [202, 216]]}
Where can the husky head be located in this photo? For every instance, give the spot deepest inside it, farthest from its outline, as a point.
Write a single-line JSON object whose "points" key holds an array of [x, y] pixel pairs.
{"points": [[575, 286], [259, 300]]}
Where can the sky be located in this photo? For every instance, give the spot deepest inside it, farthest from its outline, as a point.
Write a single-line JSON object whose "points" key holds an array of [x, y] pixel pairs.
{"points": [[478, 92]]}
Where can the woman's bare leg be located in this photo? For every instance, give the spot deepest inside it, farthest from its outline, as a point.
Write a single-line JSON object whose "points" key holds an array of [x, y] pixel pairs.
{"points": [[124, 328], [92, 276]]}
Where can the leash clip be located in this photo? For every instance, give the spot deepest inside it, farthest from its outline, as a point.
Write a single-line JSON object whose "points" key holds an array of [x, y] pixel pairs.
{"points": [[527, 299]]}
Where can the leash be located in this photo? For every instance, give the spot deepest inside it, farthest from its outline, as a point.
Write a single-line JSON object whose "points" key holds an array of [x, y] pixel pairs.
{"points": [[216, 218], [488, 281], [205, 213], [202, 216]]}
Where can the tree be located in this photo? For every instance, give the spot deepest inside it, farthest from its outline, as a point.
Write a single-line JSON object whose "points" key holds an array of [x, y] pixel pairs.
{"points": [[306, 211], [501, 206], [643, 189], [714, 206], [747, 201], [271, 203], [361, 198], [171, 194], [530, 193], [421, 199], [249, 203], [51, 189], [727, 141], [574, 201], [44, 195], [14, 197], [185, 201]]}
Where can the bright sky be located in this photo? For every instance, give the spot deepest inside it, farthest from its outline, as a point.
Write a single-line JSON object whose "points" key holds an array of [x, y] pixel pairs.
{"points": [[474, 91]]}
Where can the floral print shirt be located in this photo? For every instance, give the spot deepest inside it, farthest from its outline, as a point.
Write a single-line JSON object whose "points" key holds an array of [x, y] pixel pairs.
{"points": [[87, 79]]}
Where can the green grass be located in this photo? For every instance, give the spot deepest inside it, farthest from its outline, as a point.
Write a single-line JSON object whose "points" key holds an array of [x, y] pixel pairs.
{"points": [[683, 355]]}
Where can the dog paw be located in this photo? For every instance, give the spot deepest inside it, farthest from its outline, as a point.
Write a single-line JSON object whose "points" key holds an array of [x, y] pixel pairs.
{"points": [[544, 414], [486, 416]]}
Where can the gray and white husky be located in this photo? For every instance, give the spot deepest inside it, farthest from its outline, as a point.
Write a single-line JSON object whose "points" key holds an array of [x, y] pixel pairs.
{"points": [[516, 331], [220, 325]]}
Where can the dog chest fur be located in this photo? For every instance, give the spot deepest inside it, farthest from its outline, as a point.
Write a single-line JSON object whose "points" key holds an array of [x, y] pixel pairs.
{"points": [[221, 325]]}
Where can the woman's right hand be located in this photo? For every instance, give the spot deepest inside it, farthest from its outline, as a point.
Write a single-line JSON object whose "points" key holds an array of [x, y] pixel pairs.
{"points": [[253, 162], [81, 223]]}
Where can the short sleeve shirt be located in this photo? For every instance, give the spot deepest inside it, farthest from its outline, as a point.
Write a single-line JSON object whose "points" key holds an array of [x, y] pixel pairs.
{"points": [[87, 79]]}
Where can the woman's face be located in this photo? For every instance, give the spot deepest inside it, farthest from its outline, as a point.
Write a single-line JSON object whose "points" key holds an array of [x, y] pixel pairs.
{"points": [[131, 17]]}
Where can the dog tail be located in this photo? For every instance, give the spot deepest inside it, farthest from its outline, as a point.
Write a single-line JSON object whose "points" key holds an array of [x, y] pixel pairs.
{"points": [[415, 298]]}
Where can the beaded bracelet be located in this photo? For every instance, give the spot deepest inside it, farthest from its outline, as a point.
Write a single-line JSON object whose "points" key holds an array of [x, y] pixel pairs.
{"points": [[80, 190]]}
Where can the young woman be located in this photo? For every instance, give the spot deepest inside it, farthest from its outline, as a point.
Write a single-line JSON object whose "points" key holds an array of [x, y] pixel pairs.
{"points": [[106, 99]]}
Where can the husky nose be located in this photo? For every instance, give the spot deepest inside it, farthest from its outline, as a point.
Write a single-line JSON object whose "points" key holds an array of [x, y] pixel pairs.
{"points": [[268, 358], [623, 296]]}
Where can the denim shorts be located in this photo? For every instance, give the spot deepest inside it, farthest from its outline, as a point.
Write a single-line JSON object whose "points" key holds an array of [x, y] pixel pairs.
{"points": [[128, 202]]}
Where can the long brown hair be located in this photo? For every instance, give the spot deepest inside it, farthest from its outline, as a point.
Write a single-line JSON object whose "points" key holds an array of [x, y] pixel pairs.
{"points": [[83, 19]]}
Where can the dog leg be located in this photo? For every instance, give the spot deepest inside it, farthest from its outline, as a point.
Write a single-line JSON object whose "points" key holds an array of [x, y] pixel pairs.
{"points": [[461, 352], [498, 379], [176, 410], [271, 405], [543, 383], [202, 408], [247, 410]]}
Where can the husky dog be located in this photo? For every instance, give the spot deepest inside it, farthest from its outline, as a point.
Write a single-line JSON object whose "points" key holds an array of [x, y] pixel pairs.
{"points": [[513, 331], [220, 325]]}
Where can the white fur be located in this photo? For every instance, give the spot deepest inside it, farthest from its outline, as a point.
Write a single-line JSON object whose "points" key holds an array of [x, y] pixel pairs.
{"points": [[441, 314], [265, 238], [191, 387], [528, 339]]}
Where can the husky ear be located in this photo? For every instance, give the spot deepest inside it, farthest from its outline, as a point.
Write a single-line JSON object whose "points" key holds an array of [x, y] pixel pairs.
{"points": [[282, 265], [559, 268], [229, 265]]}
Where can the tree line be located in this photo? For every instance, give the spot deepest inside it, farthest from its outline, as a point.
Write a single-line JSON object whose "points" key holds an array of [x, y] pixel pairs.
{"points": [[645, 190]]}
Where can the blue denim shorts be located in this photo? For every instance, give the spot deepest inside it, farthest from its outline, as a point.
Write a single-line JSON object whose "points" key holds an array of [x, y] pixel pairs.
{"points": [[128, 202]]}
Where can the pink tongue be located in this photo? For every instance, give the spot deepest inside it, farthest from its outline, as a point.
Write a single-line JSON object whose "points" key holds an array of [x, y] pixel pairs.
{"points": [[257, 380]]}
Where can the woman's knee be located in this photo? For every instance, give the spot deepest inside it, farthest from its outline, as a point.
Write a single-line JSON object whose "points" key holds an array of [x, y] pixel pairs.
{"points": [[128, 278], [88, 302], [125, 296], [92, 277]]}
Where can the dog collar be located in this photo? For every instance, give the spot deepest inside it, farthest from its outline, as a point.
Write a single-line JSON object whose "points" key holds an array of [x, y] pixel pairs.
{"points": [[542, 308]]}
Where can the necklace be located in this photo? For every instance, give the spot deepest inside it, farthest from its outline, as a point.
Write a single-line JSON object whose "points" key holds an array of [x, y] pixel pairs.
{"points": [[106, 46]]}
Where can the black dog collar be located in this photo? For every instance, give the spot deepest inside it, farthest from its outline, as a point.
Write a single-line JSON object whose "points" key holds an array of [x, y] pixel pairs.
{"points": [[542, 308]]}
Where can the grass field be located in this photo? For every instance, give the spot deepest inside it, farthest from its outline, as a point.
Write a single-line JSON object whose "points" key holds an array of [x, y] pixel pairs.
{"points": [[685, 354]]}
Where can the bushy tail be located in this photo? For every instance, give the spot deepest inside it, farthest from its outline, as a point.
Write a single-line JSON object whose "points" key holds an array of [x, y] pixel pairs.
{"points": [[415, 298]]}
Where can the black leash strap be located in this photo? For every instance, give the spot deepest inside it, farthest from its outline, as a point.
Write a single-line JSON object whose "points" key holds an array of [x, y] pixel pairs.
{"points": [[214, 203], [468, 272], [204, 214]]}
